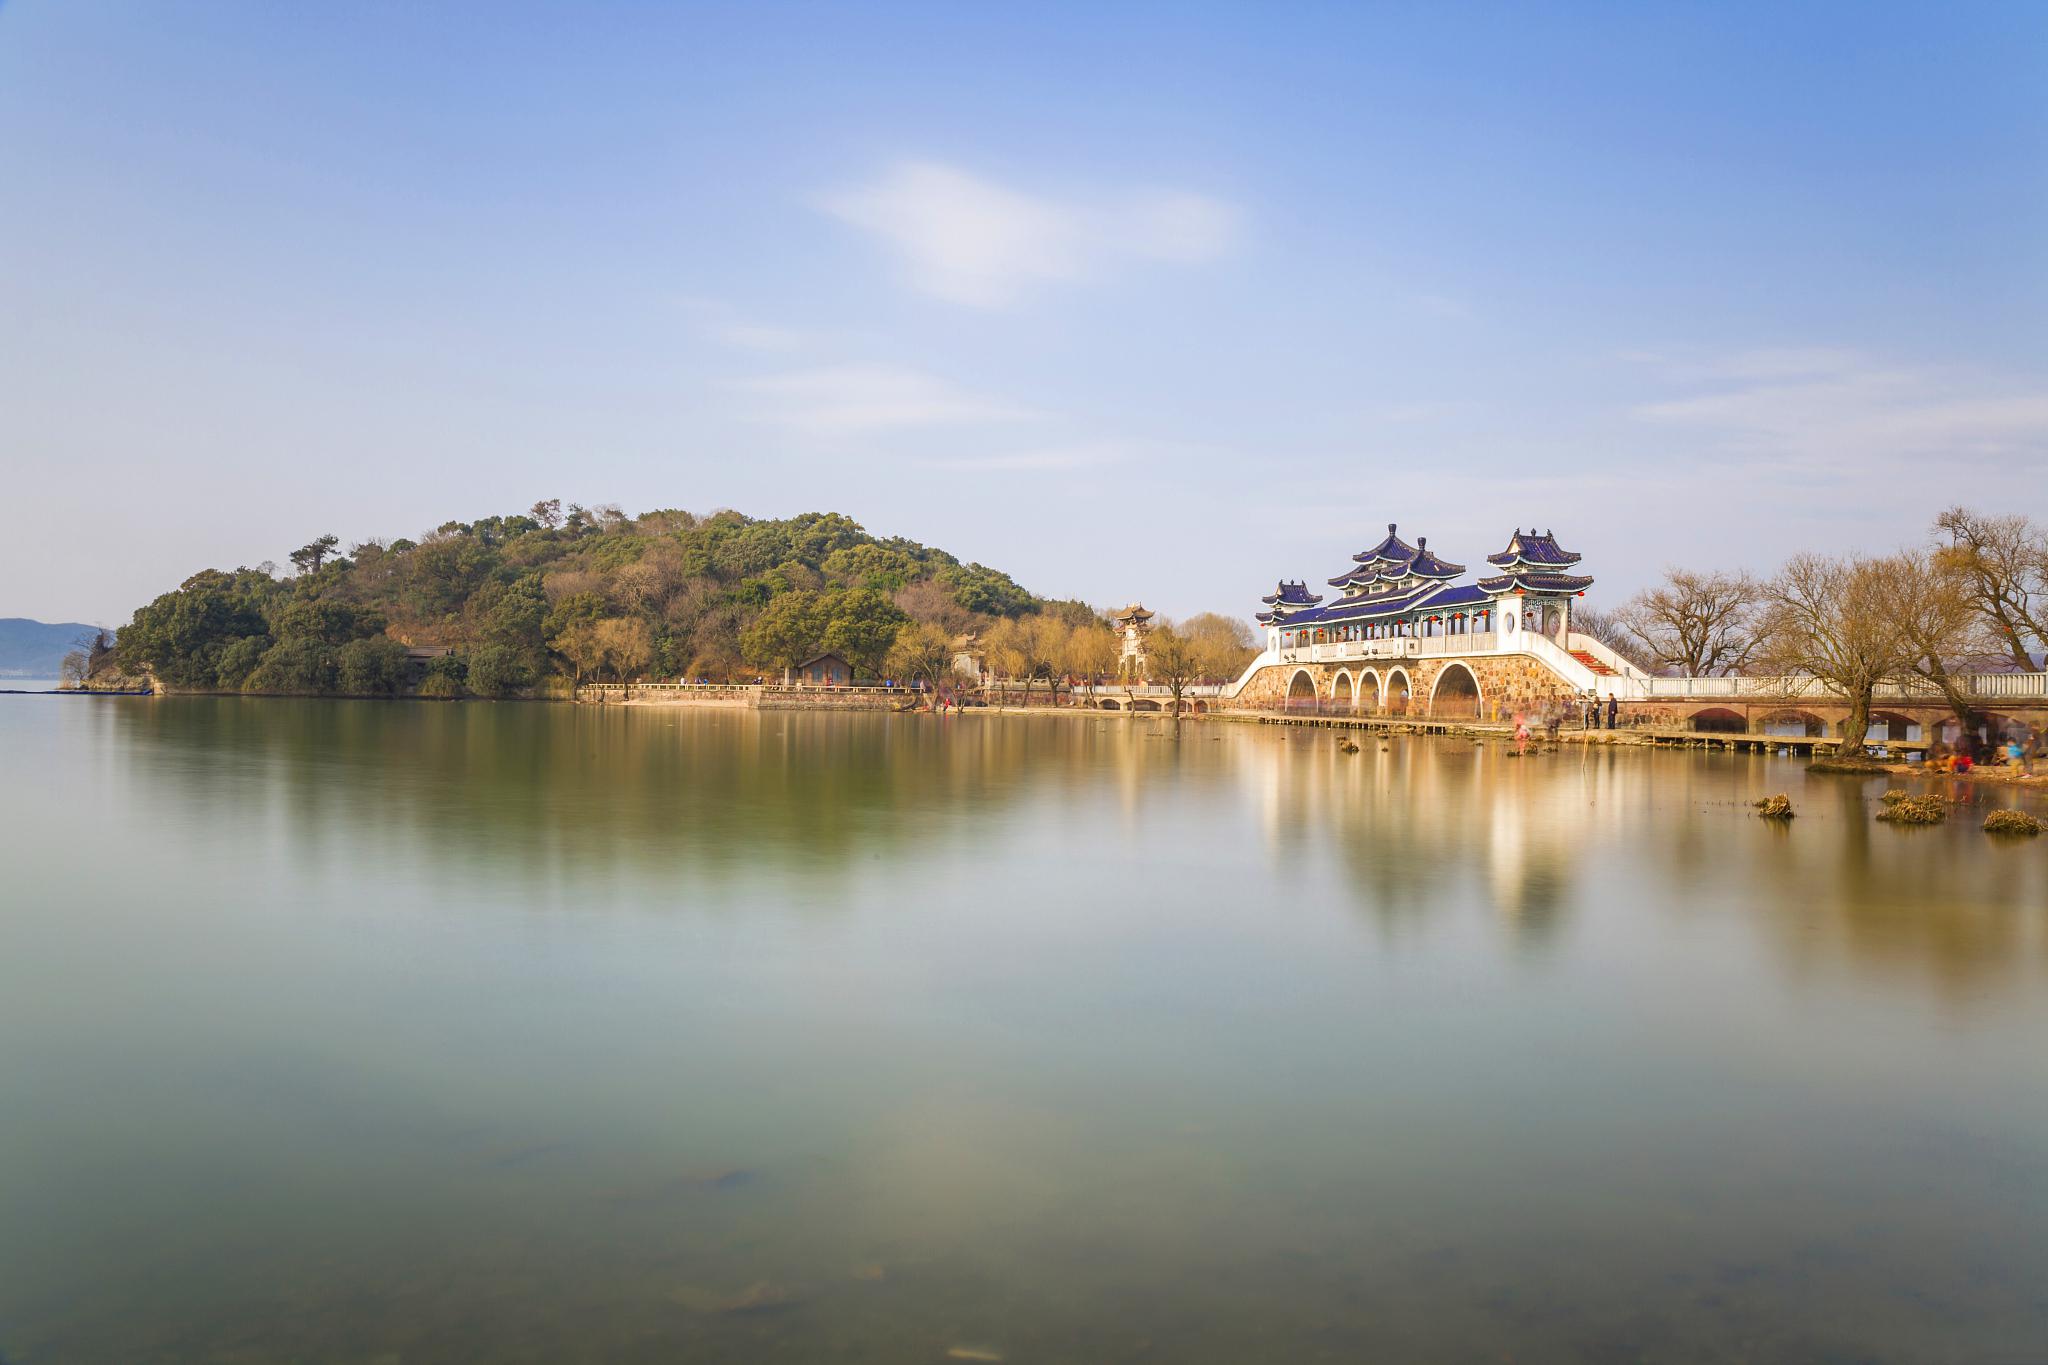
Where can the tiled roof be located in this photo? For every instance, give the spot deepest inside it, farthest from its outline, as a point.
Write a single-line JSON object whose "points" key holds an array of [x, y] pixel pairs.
{"points": [[1427, 565], [1291, 594], [1392, 550], [1527, 547], [1537, 581], [1433, 597]]}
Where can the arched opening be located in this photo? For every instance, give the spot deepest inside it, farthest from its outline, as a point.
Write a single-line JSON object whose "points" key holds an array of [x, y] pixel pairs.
{"points": [[1456, 694], [1368, 691], [1301, 692], [1109, 705], [1719, 720], [1201, 708], [1886, 725], [1340, 691], [1802, 724], [1144, 704], [1396, 703]]}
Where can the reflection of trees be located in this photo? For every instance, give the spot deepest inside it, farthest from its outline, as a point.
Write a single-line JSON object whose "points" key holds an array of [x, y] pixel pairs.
{"points": [[569, 797]]}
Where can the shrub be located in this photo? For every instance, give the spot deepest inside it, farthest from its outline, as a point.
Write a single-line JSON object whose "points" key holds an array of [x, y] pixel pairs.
{"points": [[445, 677]]}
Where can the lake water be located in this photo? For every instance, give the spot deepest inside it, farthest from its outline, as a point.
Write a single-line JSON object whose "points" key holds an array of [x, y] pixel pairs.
{"points": [[356, 1032]]}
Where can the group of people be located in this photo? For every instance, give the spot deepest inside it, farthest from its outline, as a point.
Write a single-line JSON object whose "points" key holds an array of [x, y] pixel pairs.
{"points": [[1965, 756]]}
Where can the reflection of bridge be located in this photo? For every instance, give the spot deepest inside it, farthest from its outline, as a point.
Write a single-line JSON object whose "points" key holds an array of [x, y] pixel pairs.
{"points": [[1492, 677]]}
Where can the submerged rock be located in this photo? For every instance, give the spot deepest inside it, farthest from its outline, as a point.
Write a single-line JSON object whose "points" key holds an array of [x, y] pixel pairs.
{"points": [[1777, 807], [1347, 746]]}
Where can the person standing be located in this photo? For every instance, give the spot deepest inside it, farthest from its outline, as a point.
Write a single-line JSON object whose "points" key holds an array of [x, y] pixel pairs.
{"points": [[1613, 705]]}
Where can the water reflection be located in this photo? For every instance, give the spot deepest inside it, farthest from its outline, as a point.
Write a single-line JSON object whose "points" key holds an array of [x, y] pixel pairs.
{"points": [[344, 1032]]}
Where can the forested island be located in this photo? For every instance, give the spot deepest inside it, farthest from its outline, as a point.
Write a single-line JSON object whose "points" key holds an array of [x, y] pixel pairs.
{"points": [[534, 603]]}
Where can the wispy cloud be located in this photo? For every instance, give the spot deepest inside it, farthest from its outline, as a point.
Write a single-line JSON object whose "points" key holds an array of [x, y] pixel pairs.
{"points": [[859, 400], [1085, 455], [1840, 410], [724, 324], [972, 241]]}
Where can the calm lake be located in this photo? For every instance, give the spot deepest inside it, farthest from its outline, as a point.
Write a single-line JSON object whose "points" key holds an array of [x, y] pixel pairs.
{"points": [[356, 1032]]}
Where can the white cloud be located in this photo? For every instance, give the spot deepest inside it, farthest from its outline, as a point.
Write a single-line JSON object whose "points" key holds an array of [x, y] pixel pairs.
{"points": [[858, 400], [972, 241]]}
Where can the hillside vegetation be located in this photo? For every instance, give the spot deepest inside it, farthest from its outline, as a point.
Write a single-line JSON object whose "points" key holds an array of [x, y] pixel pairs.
{"points": [[579, 594]]}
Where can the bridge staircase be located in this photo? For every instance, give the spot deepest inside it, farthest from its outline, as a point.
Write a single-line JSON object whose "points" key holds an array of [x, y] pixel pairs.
{"points": [[1593, 662]]}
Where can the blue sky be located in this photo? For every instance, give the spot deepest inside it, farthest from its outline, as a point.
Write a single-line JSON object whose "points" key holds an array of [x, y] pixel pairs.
{"points": [[1159, 302]]}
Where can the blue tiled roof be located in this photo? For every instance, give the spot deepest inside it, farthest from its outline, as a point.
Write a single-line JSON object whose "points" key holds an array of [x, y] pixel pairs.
{"points": [[1291, 594], [1537, 582], [1527, 547], [1427, 565], [1392, 550], [1433, 597]]}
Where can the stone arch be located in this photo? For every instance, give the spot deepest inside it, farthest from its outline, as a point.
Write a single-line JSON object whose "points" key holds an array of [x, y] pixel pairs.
{"points": [[1368, 690], [1301, 691], [1719, 720], [1340, 691], [1456, 693], [1145, 704], [1781, 723], [1896, 725], [1109, 704], [1394, 697], [1201, 708]]}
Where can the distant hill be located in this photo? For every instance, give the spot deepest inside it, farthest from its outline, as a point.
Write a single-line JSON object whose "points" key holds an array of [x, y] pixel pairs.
{"points": [[36, 649]]}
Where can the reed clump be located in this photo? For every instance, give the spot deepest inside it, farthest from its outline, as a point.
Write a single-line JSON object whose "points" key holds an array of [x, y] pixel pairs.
{"points": [[1903, 809], [2011, 822]]}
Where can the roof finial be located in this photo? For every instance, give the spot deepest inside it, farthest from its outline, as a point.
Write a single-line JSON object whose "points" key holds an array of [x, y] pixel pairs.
{"points": [[1391, 528], [1422, 542]]}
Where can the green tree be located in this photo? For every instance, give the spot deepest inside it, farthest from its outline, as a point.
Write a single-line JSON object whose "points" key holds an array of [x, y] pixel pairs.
{"points": [[370, 667], [301, 665], [785, 633], [860, 625], [499, 671]]}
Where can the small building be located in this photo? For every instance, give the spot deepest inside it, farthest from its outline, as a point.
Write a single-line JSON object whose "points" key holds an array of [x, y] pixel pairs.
{"points": [[825, 670], [1132, 624], [970, 658]]}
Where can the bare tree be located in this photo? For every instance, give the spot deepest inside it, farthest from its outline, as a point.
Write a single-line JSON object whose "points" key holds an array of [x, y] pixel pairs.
{"points": [[1836, 619], [1176, 660], [1698, 624], [1044, 639], [2004, 565], [922, 653], [1945, 631]]}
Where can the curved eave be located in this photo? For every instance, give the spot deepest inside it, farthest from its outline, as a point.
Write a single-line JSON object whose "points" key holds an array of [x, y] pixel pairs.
{"points": [[1537, 582]]}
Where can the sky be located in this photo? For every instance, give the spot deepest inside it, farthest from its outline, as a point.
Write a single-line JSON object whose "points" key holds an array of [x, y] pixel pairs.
{"points": [[1134, 302]]}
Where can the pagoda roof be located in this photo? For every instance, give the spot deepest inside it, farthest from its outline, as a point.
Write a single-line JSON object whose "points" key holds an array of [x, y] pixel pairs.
{"points": [[1527, 547], [1427, 565], [1433, 596], [1134, 612], [1392, 550], [1537, 581], [1292, 595]]}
